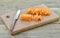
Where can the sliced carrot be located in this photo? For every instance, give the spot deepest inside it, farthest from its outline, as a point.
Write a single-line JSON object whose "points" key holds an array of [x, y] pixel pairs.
{"points": [[39, 11], [26, 17], [35, 14], [37, 18], [36, 11], [30, 11], [45, 11]]}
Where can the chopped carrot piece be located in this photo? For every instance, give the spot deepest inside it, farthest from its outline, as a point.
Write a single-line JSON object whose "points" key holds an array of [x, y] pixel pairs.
{"points": [[45, 11], [36, 11], [37, 17], [26, 17], [30, 11]]}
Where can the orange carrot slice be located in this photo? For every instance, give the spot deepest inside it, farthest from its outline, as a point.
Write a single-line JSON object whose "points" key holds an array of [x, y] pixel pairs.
{"points": [[30, 11], [37, 18], [26, 17]]}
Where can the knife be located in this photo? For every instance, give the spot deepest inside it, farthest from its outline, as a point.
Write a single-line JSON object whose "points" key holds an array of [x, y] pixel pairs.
{"points": [[14, 20]]}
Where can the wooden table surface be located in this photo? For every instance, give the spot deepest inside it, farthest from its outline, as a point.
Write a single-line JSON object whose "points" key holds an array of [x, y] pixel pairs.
{"points": [[51, 30]]}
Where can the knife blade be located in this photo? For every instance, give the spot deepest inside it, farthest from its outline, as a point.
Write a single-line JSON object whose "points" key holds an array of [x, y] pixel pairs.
{"points": [[14, 20]]}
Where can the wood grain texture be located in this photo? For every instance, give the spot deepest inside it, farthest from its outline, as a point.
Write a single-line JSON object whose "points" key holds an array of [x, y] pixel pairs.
{"points": [[48, 31]]}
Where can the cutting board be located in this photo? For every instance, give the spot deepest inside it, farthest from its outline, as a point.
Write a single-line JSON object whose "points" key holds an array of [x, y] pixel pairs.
{"points": [[21, 26]]}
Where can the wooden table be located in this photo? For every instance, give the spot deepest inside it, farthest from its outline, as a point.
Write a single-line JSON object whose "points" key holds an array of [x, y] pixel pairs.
{"points": [[51, 30]]}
